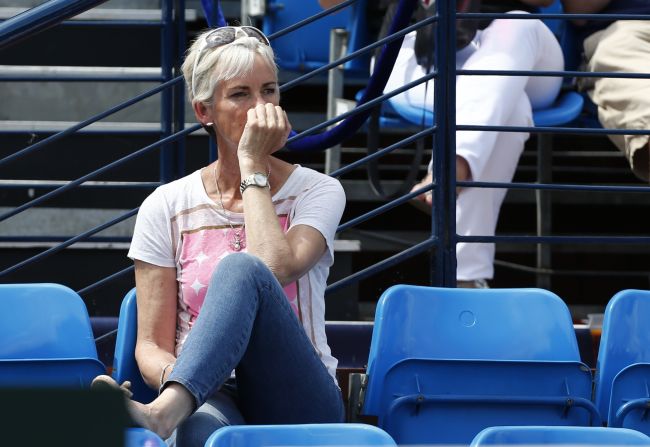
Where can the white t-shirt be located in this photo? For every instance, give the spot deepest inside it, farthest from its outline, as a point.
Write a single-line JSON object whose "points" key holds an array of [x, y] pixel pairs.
{"points": [[179, 226]]}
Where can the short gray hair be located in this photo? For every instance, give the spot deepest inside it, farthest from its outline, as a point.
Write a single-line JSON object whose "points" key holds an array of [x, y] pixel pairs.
{"points": [[222, 63]]}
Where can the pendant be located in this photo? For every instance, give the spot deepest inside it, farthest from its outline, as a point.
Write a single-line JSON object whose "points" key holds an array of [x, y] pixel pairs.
{"points": [[237, 243]]}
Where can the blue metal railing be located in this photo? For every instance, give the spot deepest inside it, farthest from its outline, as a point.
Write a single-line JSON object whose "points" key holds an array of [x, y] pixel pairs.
{"points": [[40, 18], [443, 239]]}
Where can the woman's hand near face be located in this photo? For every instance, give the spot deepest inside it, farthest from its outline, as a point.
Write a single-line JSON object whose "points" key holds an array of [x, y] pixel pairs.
{"points": [[266, 131]]}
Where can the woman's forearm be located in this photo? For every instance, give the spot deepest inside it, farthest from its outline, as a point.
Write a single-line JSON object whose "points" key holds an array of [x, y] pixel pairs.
{"points": [[155, 364]]}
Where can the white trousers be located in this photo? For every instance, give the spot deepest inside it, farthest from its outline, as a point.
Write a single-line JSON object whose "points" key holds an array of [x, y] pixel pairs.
{"points": [[507, 44]]}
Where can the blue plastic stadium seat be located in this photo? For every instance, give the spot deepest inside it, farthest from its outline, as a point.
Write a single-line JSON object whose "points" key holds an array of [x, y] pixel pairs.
{"points": [[47, 342], [47, 339], [299, 435], [141, 437], [446, 363], [535, 435], [307, 48], [124, 364], [622, 390], [566, 107]]}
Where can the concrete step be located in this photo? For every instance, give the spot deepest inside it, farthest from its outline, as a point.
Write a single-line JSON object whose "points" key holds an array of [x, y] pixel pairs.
{"points": [[77, 101], [45, 100]]}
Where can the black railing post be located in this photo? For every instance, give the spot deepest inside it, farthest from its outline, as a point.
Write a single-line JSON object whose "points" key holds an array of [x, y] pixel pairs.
{"points": [[443, 223], [179, 89], [167, 158]]}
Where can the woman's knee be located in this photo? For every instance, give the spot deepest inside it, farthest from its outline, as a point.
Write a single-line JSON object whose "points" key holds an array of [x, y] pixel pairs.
{"points": [[525, 28], [241, 266]]}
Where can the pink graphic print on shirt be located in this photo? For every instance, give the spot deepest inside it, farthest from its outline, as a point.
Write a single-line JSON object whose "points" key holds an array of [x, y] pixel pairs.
{"points": [[201, 252]]}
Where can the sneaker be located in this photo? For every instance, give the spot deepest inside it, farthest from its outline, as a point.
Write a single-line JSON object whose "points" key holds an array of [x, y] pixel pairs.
{"points": [[472, 284]]}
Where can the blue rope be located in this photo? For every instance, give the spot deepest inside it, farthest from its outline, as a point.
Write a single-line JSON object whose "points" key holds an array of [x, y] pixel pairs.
{"points": [[376, 85], [213, 13]]}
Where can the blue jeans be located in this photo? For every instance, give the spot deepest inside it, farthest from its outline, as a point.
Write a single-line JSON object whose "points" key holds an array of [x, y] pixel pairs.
{"points": [[246, 324]]}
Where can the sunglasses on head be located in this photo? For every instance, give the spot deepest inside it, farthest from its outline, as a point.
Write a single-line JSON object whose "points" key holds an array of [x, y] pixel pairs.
{"points": [[224, 36]]}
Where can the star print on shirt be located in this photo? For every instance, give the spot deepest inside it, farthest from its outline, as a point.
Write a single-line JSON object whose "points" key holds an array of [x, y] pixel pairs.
{"points": [[201, 257], [197, 286]]}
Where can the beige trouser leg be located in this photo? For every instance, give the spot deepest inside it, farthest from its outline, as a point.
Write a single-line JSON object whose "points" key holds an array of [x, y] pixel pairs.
{"points": [[623, 103]]}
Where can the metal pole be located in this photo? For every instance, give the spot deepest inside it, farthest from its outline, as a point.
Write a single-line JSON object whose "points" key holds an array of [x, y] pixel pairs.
{"points": [[444, 168], [179, 89], [167, 97], [338, 44], [544, 207]]}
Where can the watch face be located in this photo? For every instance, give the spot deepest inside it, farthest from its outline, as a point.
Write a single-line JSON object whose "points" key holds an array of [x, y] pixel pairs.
{"points": [[260, 179]]}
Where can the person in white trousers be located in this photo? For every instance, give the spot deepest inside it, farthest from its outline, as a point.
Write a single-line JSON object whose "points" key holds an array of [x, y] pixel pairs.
{"points": [[487, 156], [505, 44]]}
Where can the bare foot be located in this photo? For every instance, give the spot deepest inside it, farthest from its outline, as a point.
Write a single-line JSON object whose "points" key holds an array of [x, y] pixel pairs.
{"points": [[139, 412], [109, 381], [161, 416]]}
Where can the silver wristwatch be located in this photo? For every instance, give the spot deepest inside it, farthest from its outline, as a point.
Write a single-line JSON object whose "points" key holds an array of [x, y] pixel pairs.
{"points": [[256, 179]]}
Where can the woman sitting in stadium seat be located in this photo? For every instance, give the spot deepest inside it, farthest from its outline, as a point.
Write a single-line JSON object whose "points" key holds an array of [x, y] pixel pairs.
{"points": [[229, 337]]}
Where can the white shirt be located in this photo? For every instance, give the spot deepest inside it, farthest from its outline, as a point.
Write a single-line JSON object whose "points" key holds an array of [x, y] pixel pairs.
{"points": [[180, 226]]}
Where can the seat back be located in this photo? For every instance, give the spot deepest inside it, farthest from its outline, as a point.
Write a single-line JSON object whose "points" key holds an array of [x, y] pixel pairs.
{"points": [[47, 339], [445, 363], [557, 26], [308, 48], [448, 402], [475, 324], [44, 321], [630, 398], [625, 341], [299, 435], [541, 435], [124, 364], [567, 35]]}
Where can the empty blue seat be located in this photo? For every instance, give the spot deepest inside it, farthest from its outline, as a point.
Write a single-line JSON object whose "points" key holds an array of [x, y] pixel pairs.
{"points": [[446, 363], [47, 341], [299, 435], [307, 48], [535, 435], [124, 364], [46, 337], [622, 389]]}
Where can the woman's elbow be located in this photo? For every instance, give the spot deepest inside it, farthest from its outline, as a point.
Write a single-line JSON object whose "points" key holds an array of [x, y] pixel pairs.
{"points": [[283, 273]]}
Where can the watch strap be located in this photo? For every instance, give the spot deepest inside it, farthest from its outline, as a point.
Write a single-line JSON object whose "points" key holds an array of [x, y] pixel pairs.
{"points": [[251, 181]]}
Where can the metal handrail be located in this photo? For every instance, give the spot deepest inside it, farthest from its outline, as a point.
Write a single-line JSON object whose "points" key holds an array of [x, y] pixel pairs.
{"points": [[40, 18]]}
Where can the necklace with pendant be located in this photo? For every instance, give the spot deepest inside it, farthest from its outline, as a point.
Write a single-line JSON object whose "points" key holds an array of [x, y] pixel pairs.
{"points": [[238, 241]]}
